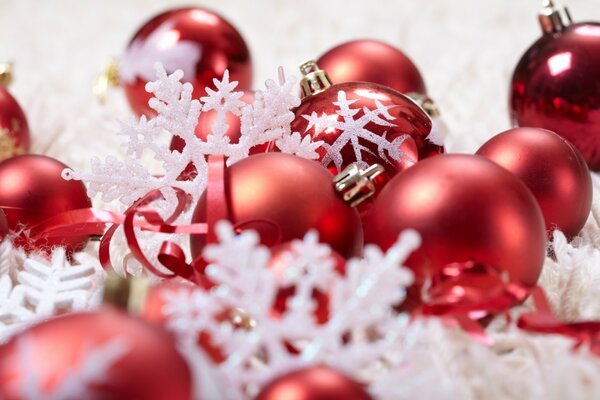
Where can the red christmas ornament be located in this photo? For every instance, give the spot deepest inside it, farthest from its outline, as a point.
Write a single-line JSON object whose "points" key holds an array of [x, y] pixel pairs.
{"points": [[105, 354], [282, 196], [280, 259], [555, 84], [14, 131], [3, 225], [199, 42], [33, 190], [373, 61], [204, 130], [554, 171], [315, 383], [466, 208], [406, 120]]}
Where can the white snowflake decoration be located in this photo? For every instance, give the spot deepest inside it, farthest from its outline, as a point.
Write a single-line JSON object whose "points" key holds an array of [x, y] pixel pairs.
{"points": [[353, 130]]}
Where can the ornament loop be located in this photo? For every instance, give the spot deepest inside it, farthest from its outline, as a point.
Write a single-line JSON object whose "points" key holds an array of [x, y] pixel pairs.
{"points": [[357, 184], [314, 80]]}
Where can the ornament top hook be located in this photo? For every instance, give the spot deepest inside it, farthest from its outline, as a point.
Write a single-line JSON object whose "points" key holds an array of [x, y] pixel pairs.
{"points": [[128, 294], [6, 74], [108, 78], [554, 18], [314, 80]]}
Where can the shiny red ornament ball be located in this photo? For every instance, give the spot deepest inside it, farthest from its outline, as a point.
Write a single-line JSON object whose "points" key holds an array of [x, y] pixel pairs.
{"points": [[282, 196], [407, 119], [466, 208], [94, 355], [14, 130], [556, 86], [281, 257], [552, 168], [195, 40], [373, 61], [32, 190], [314, 383]]}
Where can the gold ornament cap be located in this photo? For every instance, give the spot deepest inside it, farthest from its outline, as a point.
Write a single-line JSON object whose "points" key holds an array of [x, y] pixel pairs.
{"points": [[554, 18], [314, 80], [357, 184], [128, 294], [6, 74], [107, 79], [426, 103]]}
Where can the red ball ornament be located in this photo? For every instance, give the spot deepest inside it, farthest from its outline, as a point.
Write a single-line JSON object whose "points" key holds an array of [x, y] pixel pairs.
{"points": [[280, 261], [552, 168], [282, 196], [92, 355], [31, 191], [465, 208], [373, 61], [406, 120], [199, 42], [314, 383], [555, 84], [14, 130]]}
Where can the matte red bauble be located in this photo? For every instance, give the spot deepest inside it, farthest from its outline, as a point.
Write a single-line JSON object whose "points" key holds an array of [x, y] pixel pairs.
{"points": [[314, 383], [373, 61], [94, 355], [197, 41], [282, 196], [14, 131], [554, 171], [466, 208], [361, 141], [33, 190], [556, 83], [281, 256]]}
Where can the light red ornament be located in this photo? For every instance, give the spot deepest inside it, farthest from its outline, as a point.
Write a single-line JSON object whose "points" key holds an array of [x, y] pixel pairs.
{"points": [[555, 84], [466, 208], [314, 383], [93, 355], [280, 259], [199, 42], [552, 168], [406, 121], [31, 191], [373, 61], [282, 196], [14, 130]]}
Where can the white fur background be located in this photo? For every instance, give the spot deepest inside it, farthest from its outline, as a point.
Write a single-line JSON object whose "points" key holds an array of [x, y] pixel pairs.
{"points": [[465, 49]]}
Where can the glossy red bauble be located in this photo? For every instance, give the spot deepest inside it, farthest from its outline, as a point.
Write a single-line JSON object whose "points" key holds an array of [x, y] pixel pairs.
{"points": [[281, 256], [94, 355], [314, 383], [197, 41], [282, 196], [31, 191], [552, 168], [407, 119], [14, 131], [556, 86], [372, 61], [465, 208]]}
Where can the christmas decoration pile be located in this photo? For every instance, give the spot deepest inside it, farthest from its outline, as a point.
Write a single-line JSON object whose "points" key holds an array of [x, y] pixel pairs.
{"points": [[298, 247]]}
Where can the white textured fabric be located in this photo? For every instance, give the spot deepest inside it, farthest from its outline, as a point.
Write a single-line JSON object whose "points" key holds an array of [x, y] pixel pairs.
{"points": [[466, 50]]}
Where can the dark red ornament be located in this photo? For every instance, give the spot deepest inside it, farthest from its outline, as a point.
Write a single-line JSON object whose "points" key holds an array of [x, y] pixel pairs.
{"points": [[466, 208], [14, 130], [280, 259], [33, 190], [552, 168], [556, 83], [373, 61], [282, 196], [110, 354], [408, 119], [314, 383], [199, 42]]}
